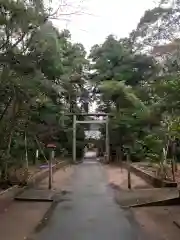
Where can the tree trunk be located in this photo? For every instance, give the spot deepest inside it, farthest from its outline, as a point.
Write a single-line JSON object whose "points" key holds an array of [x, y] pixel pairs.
{"points": [[173, 161], [41, 150], [26, 152], [13, 108], [6, 108], [173, 170]]}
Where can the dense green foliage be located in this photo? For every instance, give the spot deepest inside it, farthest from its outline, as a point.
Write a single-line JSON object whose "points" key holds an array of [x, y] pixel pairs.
{"points": [[43, 76], [140, 89]]}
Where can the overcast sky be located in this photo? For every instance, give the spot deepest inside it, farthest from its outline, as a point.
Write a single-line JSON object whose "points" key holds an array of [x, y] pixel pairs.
{"points": [[101, 18]]}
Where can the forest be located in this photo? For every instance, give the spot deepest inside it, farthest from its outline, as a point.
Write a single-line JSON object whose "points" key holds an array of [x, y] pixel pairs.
{"points": [[44, 76]]}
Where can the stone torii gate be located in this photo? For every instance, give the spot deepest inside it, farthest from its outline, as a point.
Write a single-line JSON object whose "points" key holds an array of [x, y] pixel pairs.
{"points": [[105, 121]]}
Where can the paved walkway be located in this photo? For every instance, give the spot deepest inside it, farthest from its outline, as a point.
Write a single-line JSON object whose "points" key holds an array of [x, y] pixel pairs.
{"points": [[89, 211]]}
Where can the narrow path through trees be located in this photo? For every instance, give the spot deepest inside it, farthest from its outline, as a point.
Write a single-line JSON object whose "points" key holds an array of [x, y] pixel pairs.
{"points": [[89, 211]]}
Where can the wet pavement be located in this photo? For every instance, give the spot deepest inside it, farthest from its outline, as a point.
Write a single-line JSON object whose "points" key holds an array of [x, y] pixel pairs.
{"points": [[89, 211]]}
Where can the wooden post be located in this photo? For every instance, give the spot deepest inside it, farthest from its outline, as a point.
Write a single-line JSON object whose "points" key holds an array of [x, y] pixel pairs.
{"points": [[51, 148], [50, 169], [74, 138], [129, 171], [37, 156], [107, 139]]}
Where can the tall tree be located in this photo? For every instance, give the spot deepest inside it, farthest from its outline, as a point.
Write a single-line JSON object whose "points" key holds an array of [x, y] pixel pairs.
{"points": [[40, 67]]}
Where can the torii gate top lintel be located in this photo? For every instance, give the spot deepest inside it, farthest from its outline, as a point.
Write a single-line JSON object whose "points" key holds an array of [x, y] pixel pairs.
{"points": [[89, 114]]}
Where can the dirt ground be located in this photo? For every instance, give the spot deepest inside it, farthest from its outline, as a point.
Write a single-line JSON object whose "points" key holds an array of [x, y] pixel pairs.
{"points": [[177, 175], [59, 179], [118, 176], [150, 169], [19, 219], [158, 222]]}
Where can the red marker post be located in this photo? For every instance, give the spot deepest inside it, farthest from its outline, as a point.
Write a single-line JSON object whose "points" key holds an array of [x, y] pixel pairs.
{"points": [[51, 148]]}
